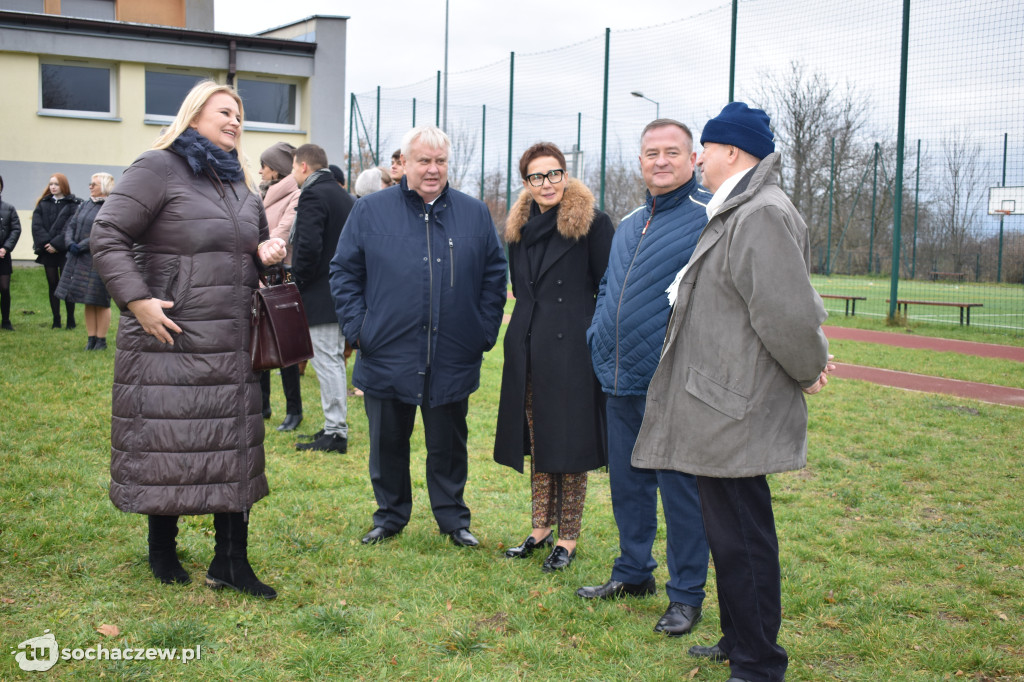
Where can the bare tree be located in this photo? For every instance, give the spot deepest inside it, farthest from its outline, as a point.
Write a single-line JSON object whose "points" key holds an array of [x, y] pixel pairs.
{"points": [[960, 194], [463, 154], [624, 188], [807, 113], [494, 196]]}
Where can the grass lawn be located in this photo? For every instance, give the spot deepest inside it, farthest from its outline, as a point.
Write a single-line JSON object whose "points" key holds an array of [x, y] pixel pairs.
{"points": [[902, 548], [1001, 314]]}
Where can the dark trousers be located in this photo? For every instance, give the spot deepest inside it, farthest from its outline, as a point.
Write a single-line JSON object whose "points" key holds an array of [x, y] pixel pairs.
{"points": [[444, 427], [635, 505], [741, 531], [292, 389]]}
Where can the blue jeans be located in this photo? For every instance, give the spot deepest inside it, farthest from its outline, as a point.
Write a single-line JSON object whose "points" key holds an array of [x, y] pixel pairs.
{"points": [[635, 504]]}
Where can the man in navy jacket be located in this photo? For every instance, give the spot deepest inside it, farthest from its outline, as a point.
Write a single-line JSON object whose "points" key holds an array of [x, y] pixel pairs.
{"points": [[651, 245], [419, 284]]}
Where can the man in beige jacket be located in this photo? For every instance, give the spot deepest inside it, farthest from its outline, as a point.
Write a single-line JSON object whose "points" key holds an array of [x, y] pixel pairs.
{"points": [[744, 344]]}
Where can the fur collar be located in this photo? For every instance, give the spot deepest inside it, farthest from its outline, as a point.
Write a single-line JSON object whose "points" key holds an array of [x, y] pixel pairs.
{"points": [[575, 213]]}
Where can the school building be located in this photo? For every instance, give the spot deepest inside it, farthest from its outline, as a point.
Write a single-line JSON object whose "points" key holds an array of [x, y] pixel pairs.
{"points": [[88, 84]]}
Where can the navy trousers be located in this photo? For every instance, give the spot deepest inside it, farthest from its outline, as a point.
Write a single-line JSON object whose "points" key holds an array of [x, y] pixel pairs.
{"points": [[445, 431], [741, 531], [635, 505]]}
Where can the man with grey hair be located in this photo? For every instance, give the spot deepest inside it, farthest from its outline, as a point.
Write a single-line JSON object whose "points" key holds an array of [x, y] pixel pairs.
{"points": [[419, 285]]}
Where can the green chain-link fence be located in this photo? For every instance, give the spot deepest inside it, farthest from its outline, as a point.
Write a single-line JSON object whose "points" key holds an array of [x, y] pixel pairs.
{"points": [[829, 74]]}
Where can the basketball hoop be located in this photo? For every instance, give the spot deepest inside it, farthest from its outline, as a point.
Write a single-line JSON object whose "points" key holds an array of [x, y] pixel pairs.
{"points": [[1001, 212]]}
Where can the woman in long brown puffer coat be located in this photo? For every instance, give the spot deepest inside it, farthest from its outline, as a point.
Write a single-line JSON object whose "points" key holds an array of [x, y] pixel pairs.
{"points": [[178, 244]]}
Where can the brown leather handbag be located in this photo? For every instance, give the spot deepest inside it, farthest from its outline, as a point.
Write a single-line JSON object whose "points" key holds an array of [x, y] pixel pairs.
{"points": [[279, 329]]}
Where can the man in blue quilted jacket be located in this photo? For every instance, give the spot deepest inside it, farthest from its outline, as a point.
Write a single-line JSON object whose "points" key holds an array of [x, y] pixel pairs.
{"points": [[650, 246]]}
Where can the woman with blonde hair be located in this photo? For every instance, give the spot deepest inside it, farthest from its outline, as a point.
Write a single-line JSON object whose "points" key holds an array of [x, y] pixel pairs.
{"points": [[80, 283], [180, 243], [551, 407], [54, 208]]}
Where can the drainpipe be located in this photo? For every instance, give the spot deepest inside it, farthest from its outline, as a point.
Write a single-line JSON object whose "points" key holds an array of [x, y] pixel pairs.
{"points": [[232, 53]]}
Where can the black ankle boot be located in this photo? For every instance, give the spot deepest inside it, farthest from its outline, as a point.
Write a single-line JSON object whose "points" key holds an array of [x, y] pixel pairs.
{"points": [[69, 309], [101, 343], [163, 551], [230, 566], [91, 344]]}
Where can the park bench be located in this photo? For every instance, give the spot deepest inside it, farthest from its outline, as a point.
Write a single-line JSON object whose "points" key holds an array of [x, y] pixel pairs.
{"points": [[850, 310], [903, 303], [958, 276]]}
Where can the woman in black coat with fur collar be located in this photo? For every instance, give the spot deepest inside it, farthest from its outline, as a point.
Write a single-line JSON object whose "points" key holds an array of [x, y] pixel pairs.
{"points": [[551, 406]]}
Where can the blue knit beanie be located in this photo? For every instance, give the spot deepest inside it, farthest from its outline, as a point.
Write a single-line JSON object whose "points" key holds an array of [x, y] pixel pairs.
{"points": [[742, 127]]}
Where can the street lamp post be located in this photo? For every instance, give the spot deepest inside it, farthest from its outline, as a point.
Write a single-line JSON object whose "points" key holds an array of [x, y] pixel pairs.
{"points": [[657, 110]]}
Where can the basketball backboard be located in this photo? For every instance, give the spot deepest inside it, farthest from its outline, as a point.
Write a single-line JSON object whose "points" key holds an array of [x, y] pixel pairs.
{"points": [[1005, 200]]}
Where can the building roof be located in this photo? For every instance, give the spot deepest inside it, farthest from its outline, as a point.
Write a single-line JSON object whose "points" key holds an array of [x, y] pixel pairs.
{"points": [[52, 22]]}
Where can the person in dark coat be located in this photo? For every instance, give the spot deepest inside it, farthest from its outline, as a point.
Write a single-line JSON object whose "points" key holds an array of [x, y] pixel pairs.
{"points": [[551, 406], [178, 244], [10, 232], [80, 283], [419, 285], [322, 211], [54, 208]]}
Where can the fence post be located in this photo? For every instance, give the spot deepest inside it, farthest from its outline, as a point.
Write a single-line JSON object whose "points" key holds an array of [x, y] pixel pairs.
{"points": [[874, 197], [1002, 216], [483, 151], [413, 112], [732, 51], [604, 113], [831, 190], [508, 162], [917, 189], [376, 149], [351, 124], [437, 108], [900, 138]]}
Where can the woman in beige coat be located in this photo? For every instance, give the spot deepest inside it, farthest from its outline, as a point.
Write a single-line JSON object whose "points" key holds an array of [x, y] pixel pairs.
{"points": [[280, 199]]}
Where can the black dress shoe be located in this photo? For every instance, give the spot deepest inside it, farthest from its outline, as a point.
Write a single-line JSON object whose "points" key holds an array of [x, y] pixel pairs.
{"points": [[290, 423], [559, 559], [333, 442], [463, 538], [526, 549], [613, 589], [679, 619], [266, 413], [379, 534], [712, 653]]}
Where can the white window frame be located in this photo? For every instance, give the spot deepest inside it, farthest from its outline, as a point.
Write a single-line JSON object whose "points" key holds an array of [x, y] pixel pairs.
{"points": [[250, 124], [111, 67], [161, 119]]}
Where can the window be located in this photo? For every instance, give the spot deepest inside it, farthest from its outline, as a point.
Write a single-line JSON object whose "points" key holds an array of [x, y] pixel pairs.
{"points": [[270, 103], [76, 88], [166, 91]]}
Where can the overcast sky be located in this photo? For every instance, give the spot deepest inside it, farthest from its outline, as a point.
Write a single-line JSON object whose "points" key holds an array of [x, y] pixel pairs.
{"points": [[396, 42]]}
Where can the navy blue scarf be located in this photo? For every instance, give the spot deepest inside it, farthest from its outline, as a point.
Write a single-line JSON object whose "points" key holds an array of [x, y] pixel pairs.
{"points": [[201, 154]]}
